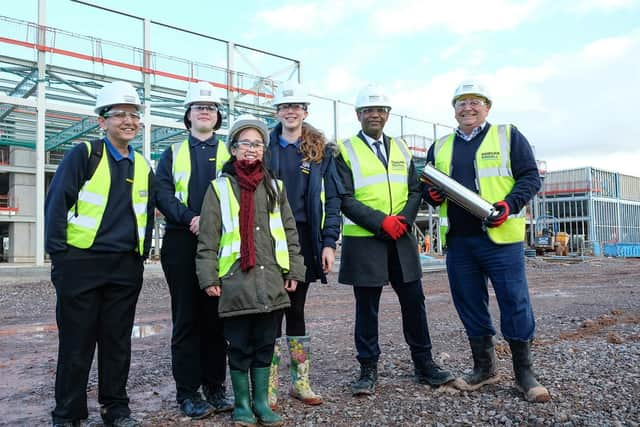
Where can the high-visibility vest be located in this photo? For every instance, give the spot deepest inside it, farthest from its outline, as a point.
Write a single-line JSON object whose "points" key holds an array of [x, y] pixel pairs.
{"points": [[182, 167], [494, 177], [85, 216], [380, 188], [229, 247]]}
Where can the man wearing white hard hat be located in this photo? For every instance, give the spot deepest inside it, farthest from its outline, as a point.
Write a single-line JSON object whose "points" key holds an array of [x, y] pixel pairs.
{"points": [[299, 155], [249, 256], [497, 162], [99, 217], [185, 171], [380, 203]]}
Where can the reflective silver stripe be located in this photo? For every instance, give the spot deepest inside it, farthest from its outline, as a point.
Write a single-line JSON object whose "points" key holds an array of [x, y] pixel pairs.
{"points": [[281, 246], [398, 179], [356, 170], [83, 221], [444, 221], [504, 146], [347, 221], [179, 195], [178, 176], [229, 249], [489, 172], [140, 208], [371, 180], [89, 197], [275, 222], [404, 150], [439, 144], [141, 232], [174, 155], [225, 208]]}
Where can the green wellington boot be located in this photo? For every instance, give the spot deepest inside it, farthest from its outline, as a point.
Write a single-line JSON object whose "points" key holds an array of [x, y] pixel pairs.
{"points": [[299, 367], [242, 413], [260, 383], [273, 376]]}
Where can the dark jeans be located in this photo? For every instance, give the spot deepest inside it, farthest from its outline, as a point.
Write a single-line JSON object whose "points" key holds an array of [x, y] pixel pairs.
{"points": [[295, 314], [96, 296], [471, 261], [252, 338], [414, 316], [198, 346]]}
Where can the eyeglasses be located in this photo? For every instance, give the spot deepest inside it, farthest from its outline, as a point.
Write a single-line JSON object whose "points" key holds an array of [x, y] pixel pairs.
{"points": [[245, 145], [372, 110], [205, 107], [121, 115], [293, 107], [469, 102]]}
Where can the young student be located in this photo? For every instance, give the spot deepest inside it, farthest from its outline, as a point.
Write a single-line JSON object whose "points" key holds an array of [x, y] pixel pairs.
{"points": [[298, 154], [248, 255]]}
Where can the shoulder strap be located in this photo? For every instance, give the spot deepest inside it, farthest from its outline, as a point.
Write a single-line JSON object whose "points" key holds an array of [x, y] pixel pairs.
{"points": [[94, 157]]}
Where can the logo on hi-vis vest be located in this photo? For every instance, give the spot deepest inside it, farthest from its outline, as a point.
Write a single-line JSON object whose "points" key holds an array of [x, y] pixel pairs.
{"points": [[397, 165], [490, 155]]}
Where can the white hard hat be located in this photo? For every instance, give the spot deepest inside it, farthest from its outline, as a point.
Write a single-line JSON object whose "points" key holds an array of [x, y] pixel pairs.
{"points": [[114, 93], [372, 95], [246, 121], [471, 87], [291, 92], [200, 92]]}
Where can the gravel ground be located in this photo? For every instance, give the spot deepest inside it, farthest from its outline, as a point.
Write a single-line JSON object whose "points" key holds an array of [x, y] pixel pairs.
{"points": [[587, 353]]}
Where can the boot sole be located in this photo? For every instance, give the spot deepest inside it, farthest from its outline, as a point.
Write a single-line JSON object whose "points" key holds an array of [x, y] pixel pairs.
{"points": [[535, 395], [313, 401], [461, 384], [205, 415]]}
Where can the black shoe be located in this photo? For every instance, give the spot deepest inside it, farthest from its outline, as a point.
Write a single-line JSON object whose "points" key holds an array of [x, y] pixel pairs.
{"points": [[366, 384], [432, 374], [484, 362], [123, 422], [196, 408], [217, 398]]}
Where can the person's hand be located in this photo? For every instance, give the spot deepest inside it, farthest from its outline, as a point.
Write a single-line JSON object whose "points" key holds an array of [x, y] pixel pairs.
{"points": [[499, 216], [290, 285], [435, 196], [394, 226], [328, 258], [213, 291], [194, 226]]}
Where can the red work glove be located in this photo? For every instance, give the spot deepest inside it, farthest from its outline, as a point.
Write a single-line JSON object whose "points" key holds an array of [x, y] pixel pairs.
{"points": [[499, 216], [435, 196], [394, 226]]}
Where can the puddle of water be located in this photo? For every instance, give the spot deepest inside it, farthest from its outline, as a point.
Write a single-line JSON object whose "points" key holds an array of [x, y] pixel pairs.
{"points": [[143, 331]]}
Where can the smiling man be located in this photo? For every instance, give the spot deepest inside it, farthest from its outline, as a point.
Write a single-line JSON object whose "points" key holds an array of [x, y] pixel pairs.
{"points": [[497, 162], [380, 203], [99, 215]]}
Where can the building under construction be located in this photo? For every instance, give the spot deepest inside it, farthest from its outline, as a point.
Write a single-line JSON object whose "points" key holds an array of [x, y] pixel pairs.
{"points": [[49, 79]]}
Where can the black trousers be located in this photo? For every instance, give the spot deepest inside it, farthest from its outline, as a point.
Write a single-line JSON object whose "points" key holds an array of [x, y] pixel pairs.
{"points": [[414, 316], [296, 326], [96, 296], [252, 338], [198, 346]]}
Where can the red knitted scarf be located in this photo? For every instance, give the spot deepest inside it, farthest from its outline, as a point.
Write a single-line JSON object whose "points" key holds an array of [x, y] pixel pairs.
{"points": [[249, 176]]}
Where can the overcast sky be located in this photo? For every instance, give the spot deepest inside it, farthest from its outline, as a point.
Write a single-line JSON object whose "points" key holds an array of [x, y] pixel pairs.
{"points": [[567, 73]]}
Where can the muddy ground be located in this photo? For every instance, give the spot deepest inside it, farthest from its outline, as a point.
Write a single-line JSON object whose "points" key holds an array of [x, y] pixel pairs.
{"points": [[587, 353]]}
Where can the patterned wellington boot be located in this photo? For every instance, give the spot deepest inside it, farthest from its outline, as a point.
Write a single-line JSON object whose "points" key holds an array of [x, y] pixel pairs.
{"points": [[273, 376], [300, 365]]}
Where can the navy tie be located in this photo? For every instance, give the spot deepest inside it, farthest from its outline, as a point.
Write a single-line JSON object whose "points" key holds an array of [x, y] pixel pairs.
{"points": [[379, 153]]}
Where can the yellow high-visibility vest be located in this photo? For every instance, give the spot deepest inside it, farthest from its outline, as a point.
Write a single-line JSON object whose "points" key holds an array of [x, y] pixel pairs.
{"points": [[182, 167], [495, 179], [380, 188], [85, 216], [229, 247]]}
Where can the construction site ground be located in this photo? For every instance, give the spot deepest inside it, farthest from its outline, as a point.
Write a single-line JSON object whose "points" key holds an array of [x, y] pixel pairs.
{"points": [[587, 353]]}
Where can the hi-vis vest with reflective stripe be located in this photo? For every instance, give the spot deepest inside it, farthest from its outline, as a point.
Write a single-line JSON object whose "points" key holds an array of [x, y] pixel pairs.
{"points": [[229, 247], [385, 190], [84, 218], [495, 179], [182, 167]]}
